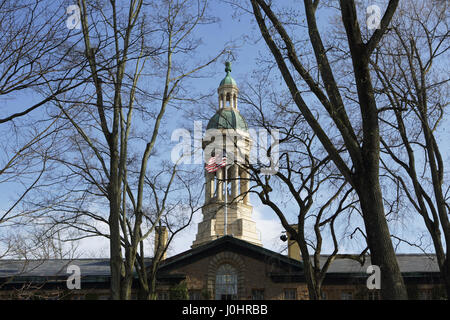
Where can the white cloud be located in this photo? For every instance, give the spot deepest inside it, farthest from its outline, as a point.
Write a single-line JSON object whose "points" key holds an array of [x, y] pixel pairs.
{"points": [[270, 228]]}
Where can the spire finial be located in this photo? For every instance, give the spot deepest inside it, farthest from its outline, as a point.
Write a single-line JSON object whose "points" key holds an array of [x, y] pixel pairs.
{"points": [[227, 66]]}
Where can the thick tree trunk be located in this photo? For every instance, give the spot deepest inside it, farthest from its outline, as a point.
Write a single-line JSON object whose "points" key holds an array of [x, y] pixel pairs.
{"points": [[152, 288], [441, 257], [125, 291], [129, 268], [144, 288], [437, 175], [379, 240], [313, 290], [115, 245], [311, 282], [445, 273], [367, 179], [114, 214], [152, 278]]}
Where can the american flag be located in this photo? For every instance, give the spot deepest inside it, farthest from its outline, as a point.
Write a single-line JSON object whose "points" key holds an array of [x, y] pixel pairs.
{"points": [[215, 163]]}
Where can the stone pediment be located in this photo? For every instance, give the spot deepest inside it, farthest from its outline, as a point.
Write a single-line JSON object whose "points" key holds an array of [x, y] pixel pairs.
{"points": [[235, 246]]}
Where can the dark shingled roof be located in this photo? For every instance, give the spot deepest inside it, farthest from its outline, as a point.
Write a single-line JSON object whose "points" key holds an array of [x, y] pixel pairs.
{"points": [[409, 263], [55, 267]]}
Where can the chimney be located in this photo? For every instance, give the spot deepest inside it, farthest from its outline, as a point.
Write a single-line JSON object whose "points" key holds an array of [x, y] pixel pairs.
{"points": [[161, 236], [293, 247]]}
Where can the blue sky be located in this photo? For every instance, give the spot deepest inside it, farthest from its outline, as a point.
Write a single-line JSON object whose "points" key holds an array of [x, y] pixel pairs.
{"points": [[214, 37]]}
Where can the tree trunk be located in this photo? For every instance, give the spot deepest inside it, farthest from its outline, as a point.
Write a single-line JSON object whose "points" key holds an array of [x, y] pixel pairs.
{"points": [[152, 289], [313, 290], [127, 283], [367, 179], [445, 274], [310, 276], [152, 277], [379, 240], [114, 196], [115, 245]]}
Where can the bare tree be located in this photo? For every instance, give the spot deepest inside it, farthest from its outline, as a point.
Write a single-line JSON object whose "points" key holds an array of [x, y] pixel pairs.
{"points": [[35, 45], [35, 52], [360, 165], [306, 177], [410, 65], [110, 149], [171, 216]]}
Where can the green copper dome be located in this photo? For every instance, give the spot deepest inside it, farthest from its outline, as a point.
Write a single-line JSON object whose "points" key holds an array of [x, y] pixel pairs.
{"points": [[227, 119], [228, 79]]}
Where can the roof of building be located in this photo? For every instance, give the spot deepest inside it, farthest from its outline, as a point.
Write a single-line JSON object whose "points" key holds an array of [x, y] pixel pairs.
{"points": [[229, 243], [408, 263], [227, 118], [55, 267]]}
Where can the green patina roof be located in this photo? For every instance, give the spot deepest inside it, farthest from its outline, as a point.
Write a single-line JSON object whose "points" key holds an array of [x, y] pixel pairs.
{"points": [[228, 79], [227, 119]]}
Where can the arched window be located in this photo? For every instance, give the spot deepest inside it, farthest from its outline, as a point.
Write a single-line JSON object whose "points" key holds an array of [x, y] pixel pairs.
{"points": [[226, 283]]}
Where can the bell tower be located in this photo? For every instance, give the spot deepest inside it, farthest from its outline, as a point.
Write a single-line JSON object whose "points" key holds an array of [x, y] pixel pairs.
{"points": [[233, 216]]}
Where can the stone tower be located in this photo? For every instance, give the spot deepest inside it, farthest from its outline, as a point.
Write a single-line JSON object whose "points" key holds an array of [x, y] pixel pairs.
{"points": [[237, 143]]}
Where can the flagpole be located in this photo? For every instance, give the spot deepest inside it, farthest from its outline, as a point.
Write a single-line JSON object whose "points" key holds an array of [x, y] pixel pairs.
{"points": [[226, 199]]}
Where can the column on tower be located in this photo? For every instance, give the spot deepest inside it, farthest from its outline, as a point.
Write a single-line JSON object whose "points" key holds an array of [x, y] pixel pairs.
{"points": [[234, 181], [245, 184], [209, 189], [228, 99]]}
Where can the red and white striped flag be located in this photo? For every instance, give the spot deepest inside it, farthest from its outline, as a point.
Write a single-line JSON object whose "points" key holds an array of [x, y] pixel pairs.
{"points": [[215, 163]]}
